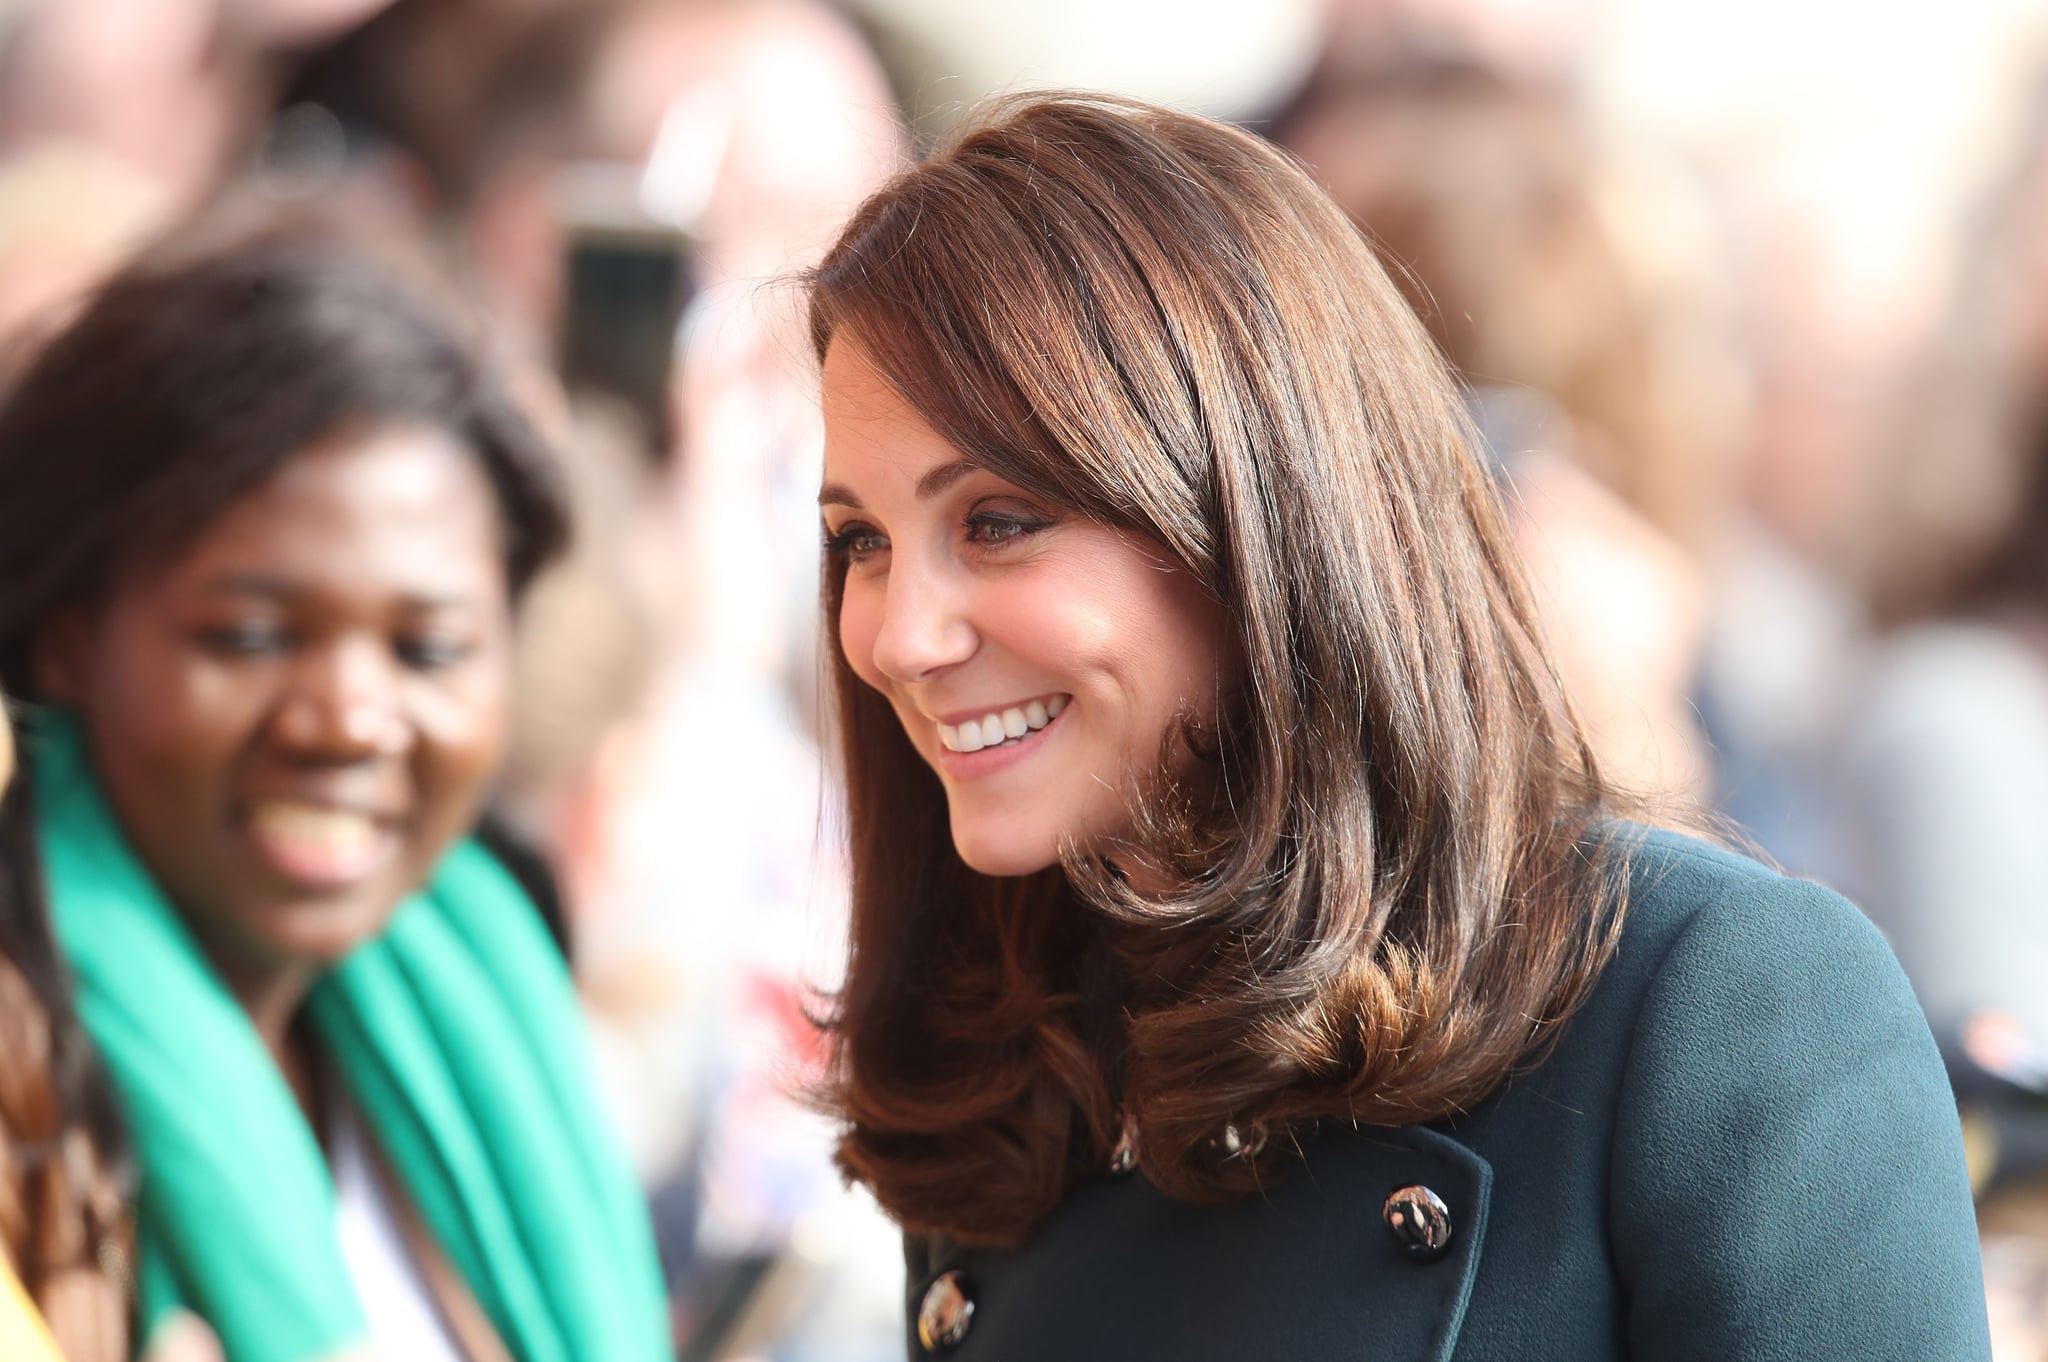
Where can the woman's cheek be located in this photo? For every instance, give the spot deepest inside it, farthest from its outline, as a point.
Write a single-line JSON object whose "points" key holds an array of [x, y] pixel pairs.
{"points": [[858, 624]]}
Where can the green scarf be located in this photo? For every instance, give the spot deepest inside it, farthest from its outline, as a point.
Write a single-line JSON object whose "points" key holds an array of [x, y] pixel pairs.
{"points": [[458, 1038]]}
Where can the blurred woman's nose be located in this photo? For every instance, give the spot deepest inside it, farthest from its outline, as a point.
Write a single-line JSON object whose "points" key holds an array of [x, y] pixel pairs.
{"points": [[925, 625], [344, 703]]}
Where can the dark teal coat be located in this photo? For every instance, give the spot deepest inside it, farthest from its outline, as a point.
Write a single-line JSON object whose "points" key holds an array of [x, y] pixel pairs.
{"points": [[1742, 1148]]}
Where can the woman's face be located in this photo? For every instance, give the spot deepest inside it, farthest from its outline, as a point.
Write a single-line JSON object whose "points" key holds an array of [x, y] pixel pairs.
{"points": [[1036, 658], [294, 719]]}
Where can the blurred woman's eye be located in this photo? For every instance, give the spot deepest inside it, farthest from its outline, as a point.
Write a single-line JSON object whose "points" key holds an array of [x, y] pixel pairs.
{"points": [[246, 638], [433, 652], [855, 542]]}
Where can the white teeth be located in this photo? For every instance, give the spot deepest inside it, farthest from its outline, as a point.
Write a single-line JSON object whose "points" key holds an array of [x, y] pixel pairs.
{"points": [[1007, 725], [331, 829], [966, 738]]}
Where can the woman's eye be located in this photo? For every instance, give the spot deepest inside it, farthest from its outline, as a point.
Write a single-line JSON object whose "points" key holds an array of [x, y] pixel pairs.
{"points": [[988, 529], [856, 543], [433, 652], [248, 638]]}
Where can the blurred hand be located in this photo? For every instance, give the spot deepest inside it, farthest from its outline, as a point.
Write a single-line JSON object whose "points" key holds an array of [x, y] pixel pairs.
{"points": [[183, 1337]]}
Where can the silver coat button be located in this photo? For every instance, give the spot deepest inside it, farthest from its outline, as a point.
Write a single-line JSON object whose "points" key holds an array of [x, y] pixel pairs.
{"points": [[1124, 1157], [1233, 1143], [946, 1312], [1420, 1221]]}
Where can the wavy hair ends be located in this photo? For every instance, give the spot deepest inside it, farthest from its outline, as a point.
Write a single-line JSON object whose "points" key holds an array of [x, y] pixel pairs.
{"points": [[1393, 884]]}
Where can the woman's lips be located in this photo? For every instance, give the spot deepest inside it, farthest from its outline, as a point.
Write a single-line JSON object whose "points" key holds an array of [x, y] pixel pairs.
{"points": [[318, 845]]}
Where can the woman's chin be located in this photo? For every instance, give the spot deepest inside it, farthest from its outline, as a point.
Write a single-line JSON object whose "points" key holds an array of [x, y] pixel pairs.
{"points": [[998, 850]]}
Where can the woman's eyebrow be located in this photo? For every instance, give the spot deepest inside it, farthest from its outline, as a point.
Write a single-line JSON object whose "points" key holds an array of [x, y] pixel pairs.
{"points": [[934, 481], [253, 584], [287, 590], [937, 480]]}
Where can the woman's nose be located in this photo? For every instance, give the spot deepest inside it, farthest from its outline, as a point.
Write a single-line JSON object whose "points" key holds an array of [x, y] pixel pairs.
{"points": [[342, 704], [926, 627]]}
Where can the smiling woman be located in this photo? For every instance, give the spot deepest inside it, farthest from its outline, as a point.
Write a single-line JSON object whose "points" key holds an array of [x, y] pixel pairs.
{"points": [[1248, 959], [263, 524]]}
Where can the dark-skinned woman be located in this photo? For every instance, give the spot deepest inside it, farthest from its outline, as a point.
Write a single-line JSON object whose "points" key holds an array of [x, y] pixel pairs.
{"points": [[263, 525]]}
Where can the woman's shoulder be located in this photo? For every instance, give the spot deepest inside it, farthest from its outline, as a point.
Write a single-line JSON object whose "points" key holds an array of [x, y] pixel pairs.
{"points": [[1729, 972], [1751, 1059], [1772, 1059], [1723, 963], [1694, 905]]}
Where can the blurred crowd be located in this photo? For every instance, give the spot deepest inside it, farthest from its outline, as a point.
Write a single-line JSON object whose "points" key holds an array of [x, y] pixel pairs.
{"points": [[1760, 355]]}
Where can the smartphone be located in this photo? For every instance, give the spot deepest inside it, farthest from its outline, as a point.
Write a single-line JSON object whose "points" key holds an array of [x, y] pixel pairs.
{"points": [[628, 278]]}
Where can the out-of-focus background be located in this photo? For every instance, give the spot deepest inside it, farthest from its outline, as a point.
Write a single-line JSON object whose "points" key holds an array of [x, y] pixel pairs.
{"points": [[1752, 304]]}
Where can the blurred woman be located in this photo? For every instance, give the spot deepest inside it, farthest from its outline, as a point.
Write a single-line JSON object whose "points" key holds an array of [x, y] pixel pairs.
{"points": [[1945, 777], [264, 526], [1944, 752], [1583, 336], [1247, 956]]}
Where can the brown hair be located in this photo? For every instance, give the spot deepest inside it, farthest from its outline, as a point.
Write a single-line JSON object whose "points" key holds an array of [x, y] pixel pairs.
{"points": [[64, 1229], [1394, 890]]}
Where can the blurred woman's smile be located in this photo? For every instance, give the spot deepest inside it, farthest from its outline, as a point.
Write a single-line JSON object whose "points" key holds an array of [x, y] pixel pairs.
{"points": [[320, 847]]}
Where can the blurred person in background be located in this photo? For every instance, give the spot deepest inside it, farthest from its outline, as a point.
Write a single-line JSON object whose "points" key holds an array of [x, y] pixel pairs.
{"points": [[708, 910], [1944, 772], [69, 216], [1539, 43], [1945, 780], [264, 525], [467, 118], [179, 91], [1586, 350], [1844, 206], [620, 184], [1227, 862]]}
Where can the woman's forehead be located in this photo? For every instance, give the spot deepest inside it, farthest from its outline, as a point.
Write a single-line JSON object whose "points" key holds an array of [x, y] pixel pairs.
{"points": [[405, 509], [873, 436]]}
